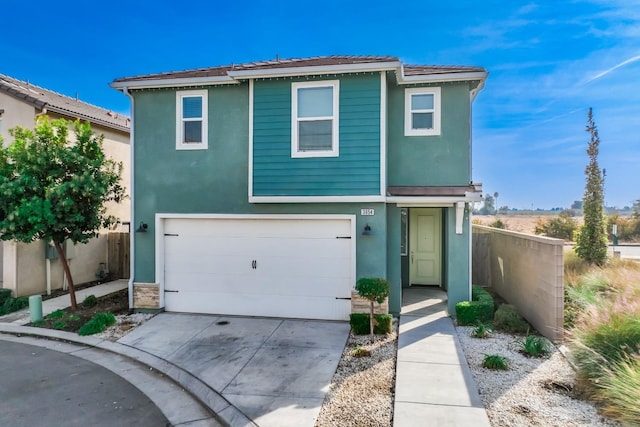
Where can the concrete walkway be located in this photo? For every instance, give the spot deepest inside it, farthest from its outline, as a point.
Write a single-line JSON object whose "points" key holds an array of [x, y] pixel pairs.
{"points": [[434, 385]]}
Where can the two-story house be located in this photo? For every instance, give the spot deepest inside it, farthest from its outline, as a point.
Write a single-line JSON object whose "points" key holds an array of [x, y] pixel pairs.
{"points": [[269, 188], [25, 267]]}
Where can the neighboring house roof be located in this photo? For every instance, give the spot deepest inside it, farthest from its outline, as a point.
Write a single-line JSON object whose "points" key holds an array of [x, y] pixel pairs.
{"points": [[305, 66], [45, 99]]}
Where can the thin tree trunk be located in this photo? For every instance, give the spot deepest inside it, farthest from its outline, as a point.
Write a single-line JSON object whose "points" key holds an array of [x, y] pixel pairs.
{"points": [[67, 272], [371, 324]]}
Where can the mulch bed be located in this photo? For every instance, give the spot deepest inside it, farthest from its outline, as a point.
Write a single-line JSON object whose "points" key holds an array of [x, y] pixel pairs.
{"points": [[71, 320]]}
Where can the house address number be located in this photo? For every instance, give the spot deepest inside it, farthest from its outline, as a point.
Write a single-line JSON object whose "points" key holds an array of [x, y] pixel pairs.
{"points": [[367, 212]]}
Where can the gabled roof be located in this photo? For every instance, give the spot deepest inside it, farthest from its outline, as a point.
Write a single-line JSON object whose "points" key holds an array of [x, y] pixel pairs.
{"points": [[42, 98], [304, 66]]}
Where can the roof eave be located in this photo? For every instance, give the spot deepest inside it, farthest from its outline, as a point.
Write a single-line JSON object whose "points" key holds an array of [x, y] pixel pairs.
{"points": [[409, 201], [169, 82], [444, 77]]}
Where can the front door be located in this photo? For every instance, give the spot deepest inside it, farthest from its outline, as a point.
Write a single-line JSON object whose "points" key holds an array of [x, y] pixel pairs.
{"points": [[425, 244]]}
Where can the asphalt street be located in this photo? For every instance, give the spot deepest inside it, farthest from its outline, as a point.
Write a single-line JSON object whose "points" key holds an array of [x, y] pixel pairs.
{"points": [[40, 387]]}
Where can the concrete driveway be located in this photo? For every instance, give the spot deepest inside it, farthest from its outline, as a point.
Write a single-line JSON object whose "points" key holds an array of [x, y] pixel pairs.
{"points": [[276, 371]]}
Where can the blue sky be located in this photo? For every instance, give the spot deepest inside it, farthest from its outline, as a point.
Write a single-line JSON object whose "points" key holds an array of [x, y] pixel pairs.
{"points": [[548, 62]]}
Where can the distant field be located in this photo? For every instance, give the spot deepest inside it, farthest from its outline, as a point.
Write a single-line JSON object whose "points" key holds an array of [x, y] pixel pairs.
{"points": [[521, 223]]}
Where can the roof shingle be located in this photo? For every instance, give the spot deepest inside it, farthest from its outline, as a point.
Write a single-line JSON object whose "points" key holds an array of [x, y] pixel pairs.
{"points": [[44, 98], [317, 61]]}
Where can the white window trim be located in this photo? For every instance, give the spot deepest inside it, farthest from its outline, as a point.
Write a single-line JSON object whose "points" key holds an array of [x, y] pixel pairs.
{"points": [[179, 119], [408, 130], [335, 149]]}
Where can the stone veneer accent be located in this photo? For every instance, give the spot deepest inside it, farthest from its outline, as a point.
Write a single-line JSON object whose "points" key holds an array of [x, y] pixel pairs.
{"points": [[146, 295], [362, 305]]}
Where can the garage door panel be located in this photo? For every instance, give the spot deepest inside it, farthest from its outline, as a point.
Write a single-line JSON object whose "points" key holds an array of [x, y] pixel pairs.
{"points": [[258, 305], [295, 267]]}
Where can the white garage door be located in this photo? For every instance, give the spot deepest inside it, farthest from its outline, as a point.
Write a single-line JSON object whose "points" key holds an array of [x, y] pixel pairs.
{"points": [[299, 268]]}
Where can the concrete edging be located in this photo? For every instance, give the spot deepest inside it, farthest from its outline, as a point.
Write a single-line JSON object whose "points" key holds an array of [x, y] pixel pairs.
{"points": [[222, 409]]}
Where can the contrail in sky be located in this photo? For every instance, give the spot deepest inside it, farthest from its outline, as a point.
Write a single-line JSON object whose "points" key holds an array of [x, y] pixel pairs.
{"points": [[615, 67]]}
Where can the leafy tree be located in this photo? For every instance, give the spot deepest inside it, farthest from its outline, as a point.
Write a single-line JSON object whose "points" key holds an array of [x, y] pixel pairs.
{"points": [[495, 196], [489, 206], [54, 190], [591, 238], [577, 205], [375, 290]]}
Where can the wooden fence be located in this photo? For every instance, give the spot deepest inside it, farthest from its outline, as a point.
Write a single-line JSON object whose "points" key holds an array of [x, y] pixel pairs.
{"points": [[119, 252]]}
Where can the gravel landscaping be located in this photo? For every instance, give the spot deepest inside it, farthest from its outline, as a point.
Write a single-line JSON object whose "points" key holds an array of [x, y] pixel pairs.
{"points": [[532, 392]]}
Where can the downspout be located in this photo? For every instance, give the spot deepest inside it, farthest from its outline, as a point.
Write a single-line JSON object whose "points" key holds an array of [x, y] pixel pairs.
{"points": [[132, 247]]}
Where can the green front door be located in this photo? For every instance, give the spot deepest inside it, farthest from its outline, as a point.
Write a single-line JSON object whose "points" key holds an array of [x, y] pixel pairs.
{"points": [[425, 246]]}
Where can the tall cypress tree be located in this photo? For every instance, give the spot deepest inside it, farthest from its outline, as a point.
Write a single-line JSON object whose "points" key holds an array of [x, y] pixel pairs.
{"points": [[591, 239]]}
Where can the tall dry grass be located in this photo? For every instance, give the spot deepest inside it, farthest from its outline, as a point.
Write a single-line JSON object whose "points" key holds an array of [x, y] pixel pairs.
{"points": [[603, 310]]}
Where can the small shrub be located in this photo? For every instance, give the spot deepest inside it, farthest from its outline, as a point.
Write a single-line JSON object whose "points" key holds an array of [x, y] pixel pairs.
{"points": [[73, 318], [374, 289], [495, 361], [359, 323], [619, 391], [535, 346], [508, 319], [60, 324], [97, 324], [90, 301], [58, 314], [480, 331], [478, 310], [560, 227], [359, 351], [498, 223]]}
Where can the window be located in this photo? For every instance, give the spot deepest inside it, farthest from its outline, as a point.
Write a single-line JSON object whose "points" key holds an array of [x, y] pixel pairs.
{"points": [[422, 111], [314, 119], [191, 120]]}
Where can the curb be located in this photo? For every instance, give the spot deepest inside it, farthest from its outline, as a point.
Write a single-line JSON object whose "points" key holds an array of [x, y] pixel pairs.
{"points": [[222, 409]]}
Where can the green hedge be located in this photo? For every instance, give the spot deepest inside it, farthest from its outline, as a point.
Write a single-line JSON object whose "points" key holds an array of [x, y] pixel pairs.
{"points": [[360, 323], [13, 304], [4, 295], [480, 309]]}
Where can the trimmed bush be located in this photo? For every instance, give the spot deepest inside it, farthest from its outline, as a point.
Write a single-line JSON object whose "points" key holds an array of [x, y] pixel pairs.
{"points": [[97, 324], [508, 319], [5, 294], [479, 310], [360, 323], [13, 304]]}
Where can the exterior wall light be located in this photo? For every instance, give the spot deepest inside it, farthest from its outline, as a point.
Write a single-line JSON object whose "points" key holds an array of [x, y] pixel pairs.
{"points": [[142, 228], [367, 231]]}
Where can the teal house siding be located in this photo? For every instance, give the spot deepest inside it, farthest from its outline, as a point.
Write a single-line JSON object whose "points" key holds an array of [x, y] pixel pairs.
{"points": [[355, 172], [431, 160], [187, 181], [215, 180]]}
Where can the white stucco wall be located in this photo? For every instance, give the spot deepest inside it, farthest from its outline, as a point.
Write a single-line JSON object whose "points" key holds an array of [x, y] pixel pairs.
{"points": [[15, 113]]}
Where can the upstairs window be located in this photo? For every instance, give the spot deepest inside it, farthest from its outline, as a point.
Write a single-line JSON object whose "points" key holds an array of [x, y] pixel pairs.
{"points": [[191, 120], [422, 111], [314, 119]]}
